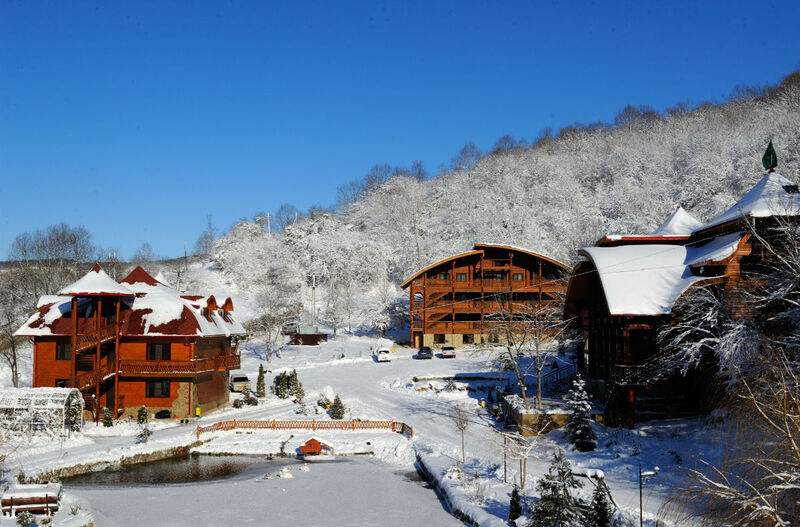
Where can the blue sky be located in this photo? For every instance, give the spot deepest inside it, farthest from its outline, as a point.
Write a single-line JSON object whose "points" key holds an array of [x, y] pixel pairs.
{"points": [[138, 119]]}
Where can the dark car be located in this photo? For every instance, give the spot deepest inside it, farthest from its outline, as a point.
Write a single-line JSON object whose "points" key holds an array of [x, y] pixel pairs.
{"points": [[424, 353]]}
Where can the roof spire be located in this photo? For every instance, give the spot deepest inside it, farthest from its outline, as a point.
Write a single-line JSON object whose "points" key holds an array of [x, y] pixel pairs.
{"points": [[770, 159]]}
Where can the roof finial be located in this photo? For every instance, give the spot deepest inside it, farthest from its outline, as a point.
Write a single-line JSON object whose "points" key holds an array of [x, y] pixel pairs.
{"points": [[770, 159]]}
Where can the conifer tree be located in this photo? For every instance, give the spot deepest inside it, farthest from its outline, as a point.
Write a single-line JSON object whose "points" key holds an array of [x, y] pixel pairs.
{"points": [[107, 420], [74, 414], [514, 507], [600, 510], [578, 426], [261, 388], [300, 393], [556, 505], [141, 416], [337, 409], [292, 383]]}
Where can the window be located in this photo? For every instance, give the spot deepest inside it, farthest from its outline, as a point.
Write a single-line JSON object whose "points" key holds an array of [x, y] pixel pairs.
{"points": [[157, 388], [500, 276], [444, 276], [468, 339], [63, 351], [517, 276], [462, 297], [461, 277], [62, 383], [438, 338], [158, 351]]}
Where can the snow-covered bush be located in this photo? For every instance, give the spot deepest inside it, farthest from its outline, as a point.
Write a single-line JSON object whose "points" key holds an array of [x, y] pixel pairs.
{"points": [[108, 421], [578, 425], [337, 408], [141, 415]]}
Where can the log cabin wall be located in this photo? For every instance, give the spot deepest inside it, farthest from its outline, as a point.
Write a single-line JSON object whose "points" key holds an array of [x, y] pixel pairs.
{"points": [[451, 300]]}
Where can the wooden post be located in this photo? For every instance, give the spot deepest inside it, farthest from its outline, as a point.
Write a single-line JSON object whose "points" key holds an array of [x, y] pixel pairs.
{"points": [[198, 431], [353, 422], [116, 362], [97, 355], [314, 425], [74, 343]]}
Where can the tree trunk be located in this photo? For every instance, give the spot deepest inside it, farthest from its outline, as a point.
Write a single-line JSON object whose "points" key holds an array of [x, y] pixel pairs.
{"points": [[463, 457]]}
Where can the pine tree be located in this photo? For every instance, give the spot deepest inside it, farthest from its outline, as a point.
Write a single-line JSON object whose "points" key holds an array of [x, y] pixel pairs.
{"points": [[261, 388], [600, 510], [141, 415], [300, 393], [75, 414], [293, 382], [107, 420], [337, 409], [578, 426], [556, 506], [514, 507], [283, 387]]}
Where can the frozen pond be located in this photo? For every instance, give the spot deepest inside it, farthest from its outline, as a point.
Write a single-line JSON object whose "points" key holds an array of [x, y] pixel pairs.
{"points": [[351, 491]]}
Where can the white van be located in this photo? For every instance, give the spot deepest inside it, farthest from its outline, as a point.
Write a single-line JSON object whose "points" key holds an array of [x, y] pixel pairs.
{"points": [[384, 355]]}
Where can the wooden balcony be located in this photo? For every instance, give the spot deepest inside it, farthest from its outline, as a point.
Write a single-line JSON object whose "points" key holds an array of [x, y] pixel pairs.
{"points": [[178, 368], [85, 342]]}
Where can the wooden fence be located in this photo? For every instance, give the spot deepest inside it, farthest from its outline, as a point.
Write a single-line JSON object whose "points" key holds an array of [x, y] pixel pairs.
{"points": [[305, 424]]}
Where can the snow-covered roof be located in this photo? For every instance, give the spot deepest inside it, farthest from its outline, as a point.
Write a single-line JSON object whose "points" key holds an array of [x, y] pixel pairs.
{"points": [[36, 398], [150, 309], [679, 222], [95, 283], [648, 279], [773, 195]]}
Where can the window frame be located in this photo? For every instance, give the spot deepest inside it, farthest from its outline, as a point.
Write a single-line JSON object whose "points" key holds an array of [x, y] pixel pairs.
{"points": [[61, 354], [155, 351], [150, 388]]}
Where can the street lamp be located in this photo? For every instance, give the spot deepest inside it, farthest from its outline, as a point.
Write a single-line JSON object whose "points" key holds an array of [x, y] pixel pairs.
{"points": [[644, 477]]}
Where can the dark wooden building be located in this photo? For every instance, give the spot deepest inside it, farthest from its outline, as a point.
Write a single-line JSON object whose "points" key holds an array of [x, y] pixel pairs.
{"points": [[625, 289], [136, 342], [451, 299]]}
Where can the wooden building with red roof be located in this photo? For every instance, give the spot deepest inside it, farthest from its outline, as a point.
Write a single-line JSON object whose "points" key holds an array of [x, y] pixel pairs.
{"points": [[135, 342], [451, 300]]}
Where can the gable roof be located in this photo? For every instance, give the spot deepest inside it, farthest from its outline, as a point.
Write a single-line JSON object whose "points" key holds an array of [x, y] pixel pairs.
{"points": [[152, 310], [768, 197], [679, 222], [95, 283], [479, 249], [648, 279]]}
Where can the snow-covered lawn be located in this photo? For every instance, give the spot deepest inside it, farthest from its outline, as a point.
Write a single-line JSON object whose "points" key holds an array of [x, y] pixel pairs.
{"points": [[370, 390]]}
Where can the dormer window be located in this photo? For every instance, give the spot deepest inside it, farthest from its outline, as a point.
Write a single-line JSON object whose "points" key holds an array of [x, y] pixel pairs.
{"points": [[791, 189]]}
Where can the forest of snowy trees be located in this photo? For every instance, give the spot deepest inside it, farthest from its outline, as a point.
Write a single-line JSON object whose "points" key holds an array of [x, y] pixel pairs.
{"points": [[562, 192]]}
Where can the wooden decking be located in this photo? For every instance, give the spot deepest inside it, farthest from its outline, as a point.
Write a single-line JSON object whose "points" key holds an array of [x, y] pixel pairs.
{"points": [[306, 424]]}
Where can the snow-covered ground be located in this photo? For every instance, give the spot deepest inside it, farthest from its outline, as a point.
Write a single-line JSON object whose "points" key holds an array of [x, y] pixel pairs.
{"points": [[372, 390]]}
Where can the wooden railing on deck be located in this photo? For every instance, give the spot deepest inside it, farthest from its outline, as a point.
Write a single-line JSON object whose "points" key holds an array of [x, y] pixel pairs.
{"points": [[89, 341], [313, 424]]}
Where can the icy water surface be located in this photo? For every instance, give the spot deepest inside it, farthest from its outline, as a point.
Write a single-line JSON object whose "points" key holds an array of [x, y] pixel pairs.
{"points": [[347, 492]]}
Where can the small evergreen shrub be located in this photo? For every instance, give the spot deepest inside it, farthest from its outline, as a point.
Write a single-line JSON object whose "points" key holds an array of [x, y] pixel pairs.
{"points": [[238, 403], [141, 415], [25, 519], [261, 388], [107, 420], [578, 426], [600, 510], [514, 507], [337, 408], [556, 505]]}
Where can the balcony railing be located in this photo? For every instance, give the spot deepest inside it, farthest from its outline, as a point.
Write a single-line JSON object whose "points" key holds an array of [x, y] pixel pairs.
{"points": [[89, 341], [179, 367]]}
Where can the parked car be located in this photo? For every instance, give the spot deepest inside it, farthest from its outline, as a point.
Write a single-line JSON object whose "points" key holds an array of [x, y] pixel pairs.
{"points": [[424, 353], [290, 328], [384, 355], [448, 352], [240, 383]]}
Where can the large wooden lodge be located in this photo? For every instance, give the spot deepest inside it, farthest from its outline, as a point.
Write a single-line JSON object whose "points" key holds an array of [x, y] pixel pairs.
{"points": [[135, 342], [451, 301], [625, 289]]}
